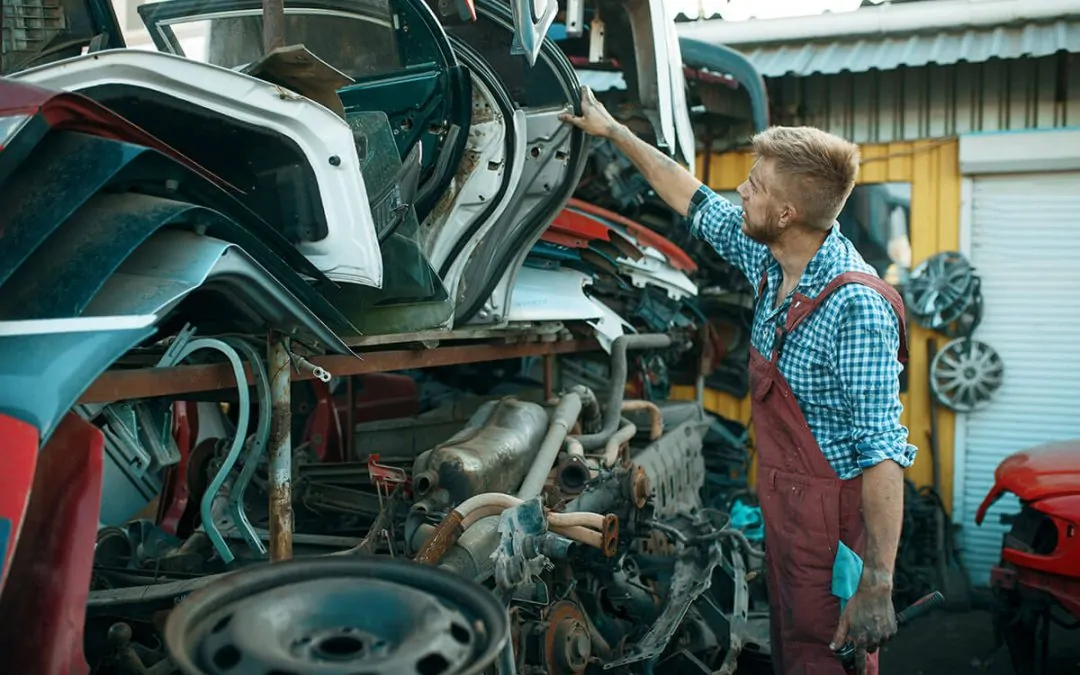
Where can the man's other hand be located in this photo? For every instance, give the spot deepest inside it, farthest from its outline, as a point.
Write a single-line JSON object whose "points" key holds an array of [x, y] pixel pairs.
{"points": [[595, 120]]}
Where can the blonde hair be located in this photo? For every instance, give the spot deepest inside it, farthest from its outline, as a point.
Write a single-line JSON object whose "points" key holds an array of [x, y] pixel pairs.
{"points": [[823, 164]]}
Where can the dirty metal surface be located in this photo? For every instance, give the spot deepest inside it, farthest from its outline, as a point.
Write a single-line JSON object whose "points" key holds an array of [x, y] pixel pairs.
{"points": [[121, 384], [63, 172], [89, 247], [173, 263], [280, 451], [338, 616], [47, 365]]}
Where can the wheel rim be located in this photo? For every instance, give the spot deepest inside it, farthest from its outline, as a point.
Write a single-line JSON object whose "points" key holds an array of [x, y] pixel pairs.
{"points": [[337, 617], [969, 319], [965, 374], [940, 289]]}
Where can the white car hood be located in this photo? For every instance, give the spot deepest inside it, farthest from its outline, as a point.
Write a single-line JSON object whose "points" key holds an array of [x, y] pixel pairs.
{"points": [[350, 252]]}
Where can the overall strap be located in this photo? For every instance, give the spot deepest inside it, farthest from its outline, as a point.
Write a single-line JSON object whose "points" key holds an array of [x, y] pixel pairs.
{"points": [[802, 306]]}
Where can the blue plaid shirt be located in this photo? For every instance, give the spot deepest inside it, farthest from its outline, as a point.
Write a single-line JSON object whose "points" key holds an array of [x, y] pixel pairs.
{"points": [[841, 362]]}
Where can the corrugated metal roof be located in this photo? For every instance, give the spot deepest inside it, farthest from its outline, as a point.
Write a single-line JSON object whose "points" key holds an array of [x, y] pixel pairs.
{"points": [[889, 53]]}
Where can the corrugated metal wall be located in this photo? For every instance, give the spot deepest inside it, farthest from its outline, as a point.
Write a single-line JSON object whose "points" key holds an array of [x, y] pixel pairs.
{"points": [[932, 168], [920, 103], [1020, 224]]}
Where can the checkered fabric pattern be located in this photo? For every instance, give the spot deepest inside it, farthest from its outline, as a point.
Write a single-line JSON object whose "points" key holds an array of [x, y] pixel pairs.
{"points": [[841, 362]]}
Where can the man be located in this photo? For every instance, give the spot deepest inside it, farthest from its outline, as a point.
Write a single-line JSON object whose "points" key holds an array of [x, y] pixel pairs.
{"points": [[827, 350]]}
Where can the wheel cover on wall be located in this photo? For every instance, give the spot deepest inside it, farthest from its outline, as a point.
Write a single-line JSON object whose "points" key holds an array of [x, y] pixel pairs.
{"points": [[340, 616], [940, 289], [965, 374]]}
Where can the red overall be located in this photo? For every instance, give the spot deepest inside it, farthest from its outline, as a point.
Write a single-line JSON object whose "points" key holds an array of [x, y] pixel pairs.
{"points": [[806, 507]]}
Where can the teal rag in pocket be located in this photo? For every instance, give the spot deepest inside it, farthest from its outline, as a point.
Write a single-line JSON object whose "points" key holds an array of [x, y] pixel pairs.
{"points": [[847, 570]]}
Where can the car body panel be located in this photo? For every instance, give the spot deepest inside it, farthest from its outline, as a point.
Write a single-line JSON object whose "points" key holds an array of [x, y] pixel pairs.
{"points": [[653, 269], [543, 171], [45, 366], [172, 264], [27, 233], [17, 464], [554, 162], [685, 139], [532, 19], [676, 257], [65, 171], [88, 247], [610, 326], [640, 35], [722, 59], [159, 164], [1042, 472], [487, 178], [552, 295], [350, 251], [406, 68], [412, 297]]}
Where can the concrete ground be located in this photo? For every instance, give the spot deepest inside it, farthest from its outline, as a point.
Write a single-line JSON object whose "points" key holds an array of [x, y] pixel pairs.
{"points": [[950, 643], [959, 643]]}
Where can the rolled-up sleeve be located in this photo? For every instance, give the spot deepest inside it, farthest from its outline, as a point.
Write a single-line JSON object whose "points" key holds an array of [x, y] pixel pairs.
{"points": [[718, 222], [869, 372]]}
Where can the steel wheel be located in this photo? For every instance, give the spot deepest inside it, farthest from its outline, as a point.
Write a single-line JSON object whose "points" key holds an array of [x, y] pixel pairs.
{"points": [[965, 374], [325, 616], [940, 289]]}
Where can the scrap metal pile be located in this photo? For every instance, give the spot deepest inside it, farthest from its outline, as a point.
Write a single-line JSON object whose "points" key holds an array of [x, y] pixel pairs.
{"points": [[582, 517], [397, 167]]}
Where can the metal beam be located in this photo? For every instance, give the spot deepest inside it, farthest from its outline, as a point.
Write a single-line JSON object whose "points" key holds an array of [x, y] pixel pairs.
{"points": [[119, 385]]}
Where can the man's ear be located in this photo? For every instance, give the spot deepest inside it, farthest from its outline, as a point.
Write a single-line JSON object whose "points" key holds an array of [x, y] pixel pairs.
{"points": [[788, 215]]}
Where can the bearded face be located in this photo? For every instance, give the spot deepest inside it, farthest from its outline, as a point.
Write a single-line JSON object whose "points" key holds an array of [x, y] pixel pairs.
{"points": [[764, 225]]}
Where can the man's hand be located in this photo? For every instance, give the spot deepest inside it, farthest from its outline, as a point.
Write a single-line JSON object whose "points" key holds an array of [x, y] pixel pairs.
{"points": [[595, 120], [675, 185], [868, 621]]}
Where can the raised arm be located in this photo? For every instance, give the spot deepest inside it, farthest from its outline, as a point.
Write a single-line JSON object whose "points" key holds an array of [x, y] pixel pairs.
{"points": [[712, 218]]}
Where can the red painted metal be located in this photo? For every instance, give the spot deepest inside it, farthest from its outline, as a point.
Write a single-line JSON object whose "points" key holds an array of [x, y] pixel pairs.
{"points": [[378, 396], [1049, 470], [175, 492], [381, 396], [581, 225], [563, 239], [17, 464], [677, 257], [43, 608], [323, 429], [1064, 560], [1046, 479], [1066, 590]]}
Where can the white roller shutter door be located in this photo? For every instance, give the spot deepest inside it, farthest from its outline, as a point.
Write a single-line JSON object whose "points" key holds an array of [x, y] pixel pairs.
{"points": [[1025, 244]]}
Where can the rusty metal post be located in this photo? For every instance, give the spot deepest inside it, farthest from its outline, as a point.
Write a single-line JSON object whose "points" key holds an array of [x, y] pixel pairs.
{"points": [[350, 421], [549, 376], [273, 25], [281, 511]]}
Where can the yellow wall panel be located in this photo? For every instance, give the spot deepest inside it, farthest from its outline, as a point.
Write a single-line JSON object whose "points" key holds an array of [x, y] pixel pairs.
{"points": [[932, 167]]}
